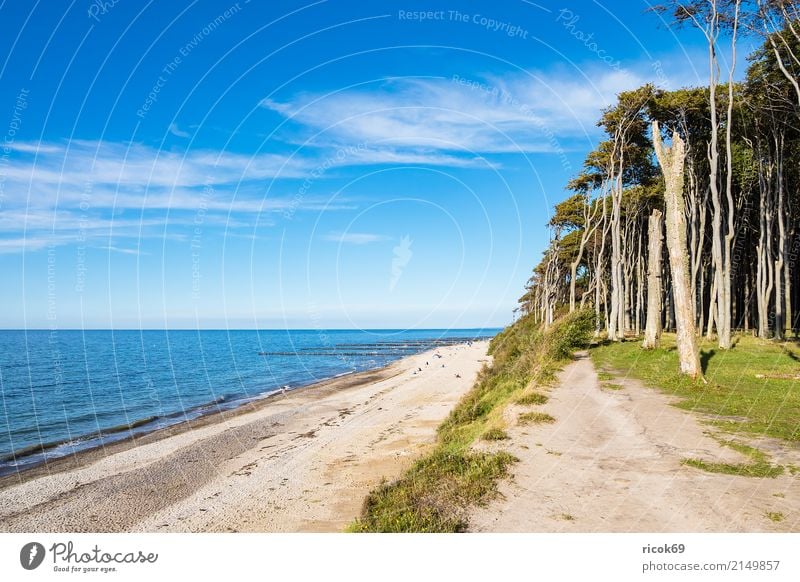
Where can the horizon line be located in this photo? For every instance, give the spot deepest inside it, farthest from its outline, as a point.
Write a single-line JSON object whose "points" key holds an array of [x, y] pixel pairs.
{"points": [[247, 328]]}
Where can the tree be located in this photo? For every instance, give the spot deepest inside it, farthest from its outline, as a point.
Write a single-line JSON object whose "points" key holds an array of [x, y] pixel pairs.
{"points": [[652, 332], [671, 160]]}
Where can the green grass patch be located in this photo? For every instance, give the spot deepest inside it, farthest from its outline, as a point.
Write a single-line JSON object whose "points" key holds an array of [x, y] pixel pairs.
{"points": [[532, 398], [495, 434], [611, 386], [750, 388], [433, 496], [758, 467], [740, 469], [535, 418]]}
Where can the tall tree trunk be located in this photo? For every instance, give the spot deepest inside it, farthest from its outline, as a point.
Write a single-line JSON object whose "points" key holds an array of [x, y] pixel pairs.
{"points": [[652, 332], [671, 161], [712, 307], [780, 260], [615, 323]]}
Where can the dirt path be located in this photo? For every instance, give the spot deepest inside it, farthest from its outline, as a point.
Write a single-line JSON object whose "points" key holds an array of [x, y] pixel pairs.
{"points": [[612, 463], [304, 462]]}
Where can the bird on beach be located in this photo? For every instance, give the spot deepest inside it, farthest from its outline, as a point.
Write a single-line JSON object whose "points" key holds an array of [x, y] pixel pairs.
{"points": [[284, 389]]}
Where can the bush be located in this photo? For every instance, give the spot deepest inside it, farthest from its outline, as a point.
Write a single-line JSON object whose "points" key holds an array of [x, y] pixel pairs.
{"points": [[571, 332]]}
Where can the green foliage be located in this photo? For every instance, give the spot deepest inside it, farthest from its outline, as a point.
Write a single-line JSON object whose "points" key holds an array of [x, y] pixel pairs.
{"points": [[432, 496], [568, 214], [570, 333]]}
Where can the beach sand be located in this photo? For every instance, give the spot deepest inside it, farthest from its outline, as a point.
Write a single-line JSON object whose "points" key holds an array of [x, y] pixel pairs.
{"points": [[303, 461]]}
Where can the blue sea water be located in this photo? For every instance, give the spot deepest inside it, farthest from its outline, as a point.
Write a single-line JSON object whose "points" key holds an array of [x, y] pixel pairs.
{"points": [[68, 390]]}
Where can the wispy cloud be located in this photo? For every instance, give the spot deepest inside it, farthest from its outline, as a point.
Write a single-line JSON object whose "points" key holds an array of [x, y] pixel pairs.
{"points": [[174, 130], [356, 238], [529, 112], [123, 251], [60, 192]]}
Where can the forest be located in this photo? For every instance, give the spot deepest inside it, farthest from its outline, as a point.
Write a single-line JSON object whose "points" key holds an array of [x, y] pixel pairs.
{"points": [[685, 216]]}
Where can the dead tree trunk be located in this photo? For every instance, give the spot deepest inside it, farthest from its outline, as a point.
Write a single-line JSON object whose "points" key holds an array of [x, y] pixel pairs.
{"points": [[652, 332], [671, 161]]}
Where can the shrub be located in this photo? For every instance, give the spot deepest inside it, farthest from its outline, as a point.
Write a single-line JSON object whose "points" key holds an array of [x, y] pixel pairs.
{"points": [[571, 332]]}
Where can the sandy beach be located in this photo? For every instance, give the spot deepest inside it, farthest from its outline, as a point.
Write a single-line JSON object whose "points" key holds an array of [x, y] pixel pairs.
{"points": [[303, 461]]}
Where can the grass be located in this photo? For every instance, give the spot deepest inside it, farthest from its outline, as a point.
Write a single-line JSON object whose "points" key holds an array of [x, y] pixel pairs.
{"points": [[750, 388], [422, 501], [758, 467], [495, 434], [532, 398], [434, 495], [775, 516], [740, 469], [535, 418]]}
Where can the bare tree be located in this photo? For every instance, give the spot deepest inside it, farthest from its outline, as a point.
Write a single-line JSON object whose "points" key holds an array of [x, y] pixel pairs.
{"points": [[590, 223], [652, 332], [671, 160]]}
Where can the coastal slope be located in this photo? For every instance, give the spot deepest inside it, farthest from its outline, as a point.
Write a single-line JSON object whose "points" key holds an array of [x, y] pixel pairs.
{"points": [[303, 461]]}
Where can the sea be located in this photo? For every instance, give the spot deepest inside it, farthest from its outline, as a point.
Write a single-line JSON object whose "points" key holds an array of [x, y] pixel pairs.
{"points": [[66, 391]]}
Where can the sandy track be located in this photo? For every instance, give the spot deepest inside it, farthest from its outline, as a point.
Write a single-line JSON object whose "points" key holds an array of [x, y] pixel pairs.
{"points": [[304, 462], [612, 463]]}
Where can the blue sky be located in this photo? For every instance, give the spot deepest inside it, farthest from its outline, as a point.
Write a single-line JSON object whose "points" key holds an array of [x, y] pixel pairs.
{"points": [[294, 164]]}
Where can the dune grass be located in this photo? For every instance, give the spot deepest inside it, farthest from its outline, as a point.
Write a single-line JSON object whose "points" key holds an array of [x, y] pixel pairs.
{"points": [[434, 494], [535, 418], [531, 399], [495, 434], [751, 389]]}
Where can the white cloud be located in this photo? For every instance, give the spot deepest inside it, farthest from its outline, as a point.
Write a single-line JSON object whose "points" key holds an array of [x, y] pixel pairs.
{"points": [[356, 238], [521, 112], [124, 251]]}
